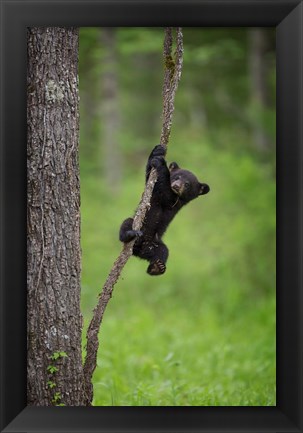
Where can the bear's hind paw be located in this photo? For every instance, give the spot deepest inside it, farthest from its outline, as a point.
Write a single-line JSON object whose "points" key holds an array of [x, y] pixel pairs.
{"points": [[156, 268]]}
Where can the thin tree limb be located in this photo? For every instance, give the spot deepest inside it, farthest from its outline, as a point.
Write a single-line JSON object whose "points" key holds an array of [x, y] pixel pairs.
{"points": [[172, 74]]}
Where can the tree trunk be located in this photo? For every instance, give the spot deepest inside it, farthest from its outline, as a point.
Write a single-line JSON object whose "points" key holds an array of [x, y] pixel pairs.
{"points": [[53, 254]]}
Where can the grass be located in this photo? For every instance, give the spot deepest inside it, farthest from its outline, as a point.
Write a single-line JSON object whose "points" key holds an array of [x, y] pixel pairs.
{"points": [[147, 358], [203, 334]]}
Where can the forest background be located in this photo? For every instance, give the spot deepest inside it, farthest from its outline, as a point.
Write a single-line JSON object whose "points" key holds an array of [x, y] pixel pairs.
{"points": [[204, 333]]}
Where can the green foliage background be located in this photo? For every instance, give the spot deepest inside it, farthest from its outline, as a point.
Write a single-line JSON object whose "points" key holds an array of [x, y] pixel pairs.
{"points": [[204, 332]]}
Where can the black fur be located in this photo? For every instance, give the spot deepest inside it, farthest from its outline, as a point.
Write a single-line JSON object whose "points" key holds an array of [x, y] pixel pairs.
{"points": [[174, 189]]}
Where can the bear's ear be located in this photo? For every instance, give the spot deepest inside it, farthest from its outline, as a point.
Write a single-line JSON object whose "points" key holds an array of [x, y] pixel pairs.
{"points": [[204, 189], [173, 166]]}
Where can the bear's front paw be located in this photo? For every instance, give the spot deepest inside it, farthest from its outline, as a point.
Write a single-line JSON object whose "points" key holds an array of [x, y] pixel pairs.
{"points": [[159, 150], [157, 161], [130, 235], [135, 234]]}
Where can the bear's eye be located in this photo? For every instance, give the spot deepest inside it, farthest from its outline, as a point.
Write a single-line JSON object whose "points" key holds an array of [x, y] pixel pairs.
{"points": [[186, 184]]}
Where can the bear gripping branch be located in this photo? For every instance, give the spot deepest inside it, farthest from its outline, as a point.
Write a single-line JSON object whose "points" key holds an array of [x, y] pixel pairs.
{"points": [[172, 75]]}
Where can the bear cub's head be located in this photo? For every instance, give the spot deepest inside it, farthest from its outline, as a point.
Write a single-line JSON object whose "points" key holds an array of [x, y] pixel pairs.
{"points": [[185, 184]]}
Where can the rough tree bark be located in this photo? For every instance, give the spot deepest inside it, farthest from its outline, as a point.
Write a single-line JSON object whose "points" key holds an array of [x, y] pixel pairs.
{"points": [[53, 255], [172, 74]]}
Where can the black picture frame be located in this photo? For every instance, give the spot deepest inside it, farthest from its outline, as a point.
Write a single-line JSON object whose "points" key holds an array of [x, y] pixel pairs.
{"points": [[287, 17]]}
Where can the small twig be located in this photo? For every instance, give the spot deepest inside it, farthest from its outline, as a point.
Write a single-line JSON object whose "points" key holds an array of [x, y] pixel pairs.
{"points": [[172, 74]]}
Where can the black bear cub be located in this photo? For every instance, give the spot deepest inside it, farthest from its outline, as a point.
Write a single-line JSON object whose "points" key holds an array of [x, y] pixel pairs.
{"points": [[174, 188]]}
